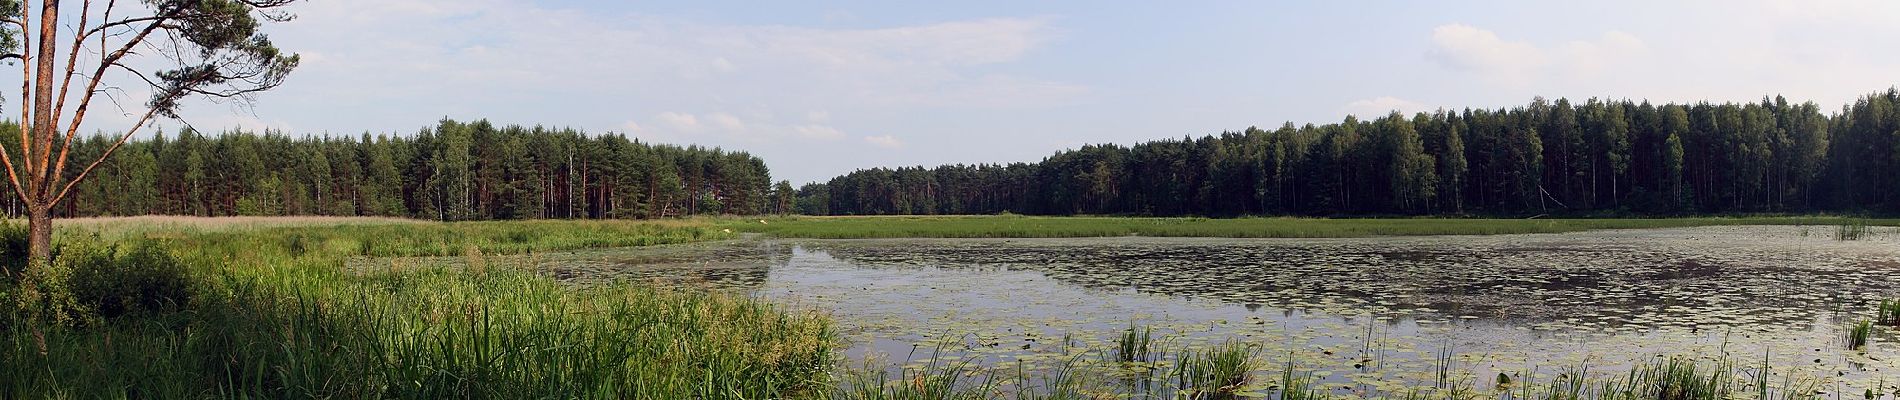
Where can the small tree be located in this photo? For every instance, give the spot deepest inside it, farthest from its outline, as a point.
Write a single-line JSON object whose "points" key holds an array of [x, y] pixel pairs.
{"points": [[178, 49]]}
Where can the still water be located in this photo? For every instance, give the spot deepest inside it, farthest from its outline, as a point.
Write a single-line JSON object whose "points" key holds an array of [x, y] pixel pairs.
{"points": [[1366, 315]]}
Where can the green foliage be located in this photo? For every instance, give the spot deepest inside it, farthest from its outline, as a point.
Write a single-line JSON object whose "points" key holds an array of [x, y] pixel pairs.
{"points": [[13, 252], [44, 297], [1215, 373], [140, 281], [1600, 157], [279, 315], [1888, 313], [1852, 230], [1135, 344], [1857, 335], [451, 171], [1030, 227]]}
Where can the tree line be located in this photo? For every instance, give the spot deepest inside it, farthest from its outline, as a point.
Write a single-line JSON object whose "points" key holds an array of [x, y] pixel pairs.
{"points": [[1599, 157], [451, 171]]}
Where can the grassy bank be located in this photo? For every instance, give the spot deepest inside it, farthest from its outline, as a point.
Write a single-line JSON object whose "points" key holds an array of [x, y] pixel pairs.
{"points": [[269, 311], [1055, 227]]}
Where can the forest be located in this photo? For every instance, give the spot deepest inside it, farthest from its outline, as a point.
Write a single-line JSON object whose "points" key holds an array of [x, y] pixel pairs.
{"points": [[452, 171], [1600, 157]]}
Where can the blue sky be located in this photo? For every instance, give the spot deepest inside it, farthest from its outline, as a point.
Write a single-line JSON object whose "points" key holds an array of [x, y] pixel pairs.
{"points": [[819, 88]]}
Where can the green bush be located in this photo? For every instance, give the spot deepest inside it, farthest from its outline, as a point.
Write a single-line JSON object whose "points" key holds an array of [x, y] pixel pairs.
{"points": [[144, 280], [13, 252]]}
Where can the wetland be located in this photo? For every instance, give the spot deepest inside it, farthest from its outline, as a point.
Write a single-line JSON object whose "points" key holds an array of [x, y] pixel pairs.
{"points": [[1366, 317]]}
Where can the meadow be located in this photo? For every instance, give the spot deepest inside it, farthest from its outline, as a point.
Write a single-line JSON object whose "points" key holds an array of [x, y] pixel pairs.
{"points": [[193, 309], [266, 308]]}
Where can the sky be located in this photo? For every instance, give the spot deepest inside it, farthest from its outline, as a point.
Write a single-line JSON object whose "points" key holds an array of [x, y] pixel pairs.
{"points": [[822, 88]]}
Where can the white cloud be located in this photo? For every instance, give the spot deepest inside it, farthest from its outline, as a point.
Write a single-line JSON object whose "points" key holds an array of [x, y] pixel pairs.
{"points": [[885, 141], [679, 121], [1469, 48], [818, 116], [818, 132], [688, 127], [727, 122], [1482, 52], [1613, 49], [1380, 106]]}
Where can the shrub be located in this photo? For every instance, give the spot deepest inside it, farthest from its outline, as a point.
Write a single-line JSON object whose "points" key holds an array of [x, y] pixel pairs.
{"points": [[13, 252], [144, 280]]}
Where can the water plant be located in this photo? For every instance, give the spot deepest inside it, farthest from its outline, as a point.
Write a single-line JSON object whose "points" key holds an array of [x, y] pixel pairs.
{"points": [[1300, 385], [1677, 378], [1888, 313], [1133, 345], [1857, 335], [1852, 230], [1214, 373]]}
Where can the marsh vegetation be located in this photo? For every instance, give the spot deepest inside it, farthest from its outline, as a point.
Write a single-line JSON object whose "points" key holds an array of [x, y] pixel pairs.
{"points": [[396, 308]]}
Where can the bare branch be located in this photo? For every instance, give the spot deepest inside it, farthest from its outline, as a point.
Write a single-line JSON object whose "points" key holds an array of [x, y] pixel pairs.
{"points": [[92, 85], [11, 176], [26, 92], [66, 84], [103, 156]]}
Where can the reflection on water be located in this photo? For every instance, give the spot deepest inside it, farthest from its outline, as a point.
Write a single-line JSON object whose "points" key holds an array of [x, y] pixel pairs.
{"points": [[1367, 312]]}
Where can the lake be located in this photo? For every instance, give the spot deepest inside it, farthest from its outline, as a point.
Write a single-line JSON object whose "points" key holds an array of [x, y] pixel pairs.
{"points": [[1366, 316]]}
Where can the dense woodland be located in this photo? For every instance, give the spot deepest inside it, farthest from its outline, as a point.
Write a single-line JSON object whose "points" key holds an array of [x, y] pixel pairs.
{"points": [[1548, 157], [1561, 158], [452, 171]]}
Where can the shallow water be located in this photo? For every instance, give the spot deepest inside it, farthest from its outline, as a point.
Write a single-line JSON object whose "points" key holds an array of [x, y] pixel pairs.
{"points": [[1370, 315]]}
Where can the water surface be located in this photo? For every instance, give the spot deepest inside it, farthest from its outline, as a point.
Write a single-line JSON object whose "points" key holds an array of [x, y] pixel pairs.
{"points": [[1368, 314]]}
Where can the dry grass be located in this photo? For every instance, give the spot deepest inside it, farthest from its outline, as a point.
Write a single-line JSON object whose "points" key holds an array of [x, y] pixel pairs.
{"points": [[225, 222]]}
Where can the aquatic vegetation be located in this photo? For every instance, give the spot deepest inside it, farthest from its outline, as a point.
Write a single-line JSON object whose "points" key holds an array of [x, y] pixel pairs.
{"points": [[1857, 334], [1888, 312], [1134, 344], [1214, 373], [1303, 385], [1852, 230], [1677, 378]]}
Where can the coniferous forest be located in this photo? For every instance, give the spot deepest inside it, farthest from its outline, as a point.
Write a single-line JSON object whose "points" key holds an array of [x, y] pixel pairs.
{"points": [[452, 171], [1557, 157], [1548, 157]]}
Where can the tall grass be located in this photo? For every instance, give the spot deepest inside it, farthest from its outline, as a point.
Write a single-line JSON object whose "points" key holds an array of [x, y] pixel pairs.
{"points": [[1215, 373], [1852, 230], [275, 314], [1134, 344], [1857, 335], [1888, 313]]}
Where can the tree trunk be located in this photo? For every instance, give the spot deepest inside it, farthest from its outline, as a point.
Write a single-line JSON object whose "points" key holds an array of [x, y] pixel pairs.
{"points": [[39, 225]]}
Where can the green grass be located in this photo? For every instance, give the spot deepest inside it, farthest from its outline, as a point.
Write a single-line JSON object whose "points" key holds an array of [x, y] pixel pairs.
{"points": [[1057, 227], [1857, 335], [1215, 373], [1852, 230], [276, 315], [1888, 312], [1135, 345]]}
